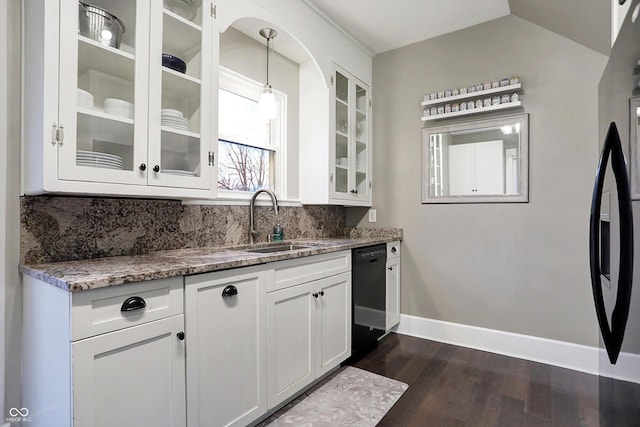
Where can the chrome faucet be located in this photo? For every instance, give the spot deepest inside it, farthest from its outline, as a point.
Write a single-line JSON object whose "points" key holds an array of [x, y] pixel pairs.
{"points": [[252, 231]]}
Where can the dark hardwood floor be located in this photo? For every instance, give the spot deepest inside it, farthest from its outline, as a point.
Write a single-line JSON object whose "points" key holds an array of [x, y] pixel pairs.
{"points": [[458, 386]]}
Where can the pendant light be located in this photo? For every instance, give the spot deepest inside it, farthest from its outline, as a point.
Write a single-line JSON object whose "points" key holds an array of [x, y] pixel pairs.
{"points": [[267, 104]]}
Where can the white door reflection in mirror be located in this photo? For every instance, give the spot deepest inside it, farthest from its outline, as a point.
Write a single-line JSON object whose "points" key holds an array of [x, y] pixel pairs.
{"points": [[479, 161]]}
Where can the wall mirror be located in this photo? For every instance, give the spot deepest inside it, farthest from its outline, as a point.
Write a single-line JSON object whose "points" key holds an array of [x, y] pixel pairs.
{"points": [[483, 161], [634, 138]]}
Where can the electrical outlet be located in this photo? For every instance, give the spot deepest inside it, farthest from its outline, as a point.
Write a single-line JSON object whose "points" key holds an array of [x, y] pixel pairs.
{"points": [[372, 215]]}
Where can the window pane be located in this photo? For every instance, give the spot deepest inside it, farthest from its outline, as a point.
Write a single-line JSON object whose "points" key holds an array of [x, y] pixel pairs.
{"points": [[243, 168], [238, 120]]}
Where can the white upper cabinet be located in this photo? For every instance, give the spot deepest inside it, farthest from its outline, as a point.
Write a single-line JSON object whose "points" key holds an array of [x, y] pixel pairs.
{"points": [[102, 113], [349, 173], [335, 149]]}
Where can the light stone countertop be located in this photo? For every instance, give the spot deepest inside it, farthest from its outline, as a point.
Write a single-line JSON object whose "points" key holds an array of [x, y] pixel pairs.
{"points": [[82, 275]]}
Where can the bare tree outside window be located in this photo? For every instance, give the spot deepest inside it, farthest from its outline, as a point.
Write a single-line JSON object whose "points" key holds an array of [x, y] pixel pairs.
{"points": [[242, 167]]}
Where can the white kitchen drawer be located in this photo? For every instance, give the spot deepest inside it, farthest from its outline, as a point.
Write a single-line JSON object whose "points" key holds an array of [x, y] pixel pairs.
{"points": [[300, 270], [393, 249], [95, 312]]}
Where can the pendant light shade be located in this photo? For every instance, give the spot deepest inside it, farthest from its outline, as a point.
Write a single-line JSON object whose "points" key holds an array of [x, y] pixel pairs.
{"points": [[267, 103]]}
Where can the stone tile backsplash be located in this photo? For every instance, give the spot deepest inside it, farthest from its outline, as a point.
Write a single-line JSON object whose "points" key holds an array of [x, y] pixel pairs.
{"points": [[57, 228]]}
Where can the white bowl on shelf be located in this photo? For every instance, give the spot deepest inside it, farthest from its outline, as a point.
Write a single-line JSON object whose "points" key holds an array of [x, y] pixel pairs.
{"points": [[118, 107], [84, 99]]}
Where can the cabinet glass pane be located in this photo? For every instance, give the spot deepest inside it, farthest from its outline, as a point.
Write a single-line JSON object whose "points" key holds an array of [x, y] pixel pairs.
{"points": [[362, 141], [342, 134], [180, 114], [106, 85]]}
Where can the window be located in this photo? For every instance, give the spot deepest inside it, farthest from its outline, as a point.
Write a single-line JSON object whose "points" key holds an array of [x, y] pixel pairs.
{"points": [[250, 149]]}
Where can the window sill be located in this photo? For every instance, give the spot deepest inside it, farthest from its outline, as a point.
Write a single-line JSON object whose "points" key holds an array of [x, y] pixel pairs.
{"points": [[236, 201]]}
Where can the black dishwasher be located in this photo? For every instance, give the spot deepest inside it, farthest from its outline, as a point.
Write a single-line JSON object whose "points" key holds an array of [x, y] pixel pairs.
{"points": [[368, 281]]}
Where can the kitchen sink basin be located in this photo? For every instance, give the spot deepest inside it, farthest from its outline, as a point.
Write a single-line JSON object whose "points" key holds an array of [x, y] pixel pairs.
{"points": [[278, 248]]}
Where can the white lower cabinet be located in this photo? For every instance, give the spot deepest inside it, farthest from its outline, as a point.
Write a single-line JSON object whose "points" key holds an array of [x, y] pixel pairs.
{"points": [[392, 306], [308, 333], [208, 350], [131, 377], [226, 359], [106, 357]]}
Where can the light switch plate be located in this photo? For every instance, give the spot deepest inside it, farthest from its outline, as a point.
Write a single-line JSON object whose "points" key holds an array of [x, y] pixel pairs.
{"points": [[372, 215]]}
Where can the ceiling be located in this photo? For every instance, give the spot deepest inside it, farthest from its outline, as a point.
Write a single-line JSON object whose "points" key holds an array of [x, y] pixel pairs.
{"points": [[382, 25]]}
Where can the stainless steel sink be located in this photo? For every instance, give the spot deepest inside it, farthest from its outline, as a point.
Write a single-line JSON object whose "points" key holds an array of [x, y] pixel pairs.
{"points": [[278, 248]]}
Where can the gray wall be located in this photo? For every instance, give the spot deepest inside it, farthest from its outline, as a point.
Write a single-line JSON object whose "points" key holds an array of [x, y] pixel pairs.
{"points": [[521, 268], [246, 56]]}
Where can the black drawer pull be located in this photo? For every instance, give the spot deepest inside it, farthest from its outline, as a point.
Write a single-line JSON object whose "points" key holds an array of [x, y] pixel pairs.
{"points": [[390, 268], [315, 295], [230, 291], [393, 249], [321, 293], [133, 304], [180, 336]]}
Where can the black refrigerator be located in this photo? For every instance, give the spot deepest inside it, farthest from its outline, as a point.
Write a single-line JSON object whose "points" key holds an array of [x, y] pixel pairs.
{"points": [[615, 224]]}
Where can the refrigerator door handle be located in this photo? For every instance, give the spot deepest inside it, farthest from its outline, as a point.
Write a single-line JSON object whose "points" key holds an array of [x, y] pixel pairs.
{"points": [[614, 335]]}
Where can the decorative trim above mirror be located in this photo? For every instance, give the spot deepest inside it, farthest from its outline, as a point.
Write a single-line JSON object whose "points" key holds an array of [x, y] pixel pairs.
{"points": [[481, 161]]}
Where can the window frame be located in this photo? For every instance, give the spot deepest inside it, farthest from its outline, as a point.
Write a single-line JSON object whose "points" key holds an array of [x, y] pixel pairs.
{"points": [[241, 85]]}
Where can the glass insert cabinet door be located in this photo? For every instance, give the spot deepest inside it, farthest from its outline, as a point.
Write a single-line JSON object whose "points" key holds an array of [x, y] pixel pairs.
{"points": [[351, 154], [102, 94], [476, 162], [129, 118], [181, 94]]}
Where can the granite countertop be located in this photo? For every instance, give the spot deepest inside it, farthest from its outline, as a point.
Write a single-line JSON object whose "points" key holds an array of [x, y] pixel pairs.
{"points": [[82, 275]]}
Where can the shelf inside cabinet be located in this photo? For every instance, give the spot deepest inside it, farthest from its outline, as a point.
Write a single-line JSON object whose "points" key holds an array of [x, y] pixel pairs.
{"points": [[478, 94], [182, 37], [95, 56], [473, 111], [360, 146], [182, 85], [98, 126], [341, 102], [178, 140]]}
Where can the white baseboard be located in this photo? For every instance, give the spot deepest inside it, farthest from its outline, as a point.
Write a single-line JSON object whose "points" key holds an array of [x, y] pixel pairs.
{"points": [[558, 353]]}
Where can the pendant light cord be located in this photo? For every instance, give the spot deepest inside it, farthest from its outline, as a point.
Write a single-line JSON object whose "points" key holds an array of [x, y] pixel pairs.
{"points": [[268, 39]]}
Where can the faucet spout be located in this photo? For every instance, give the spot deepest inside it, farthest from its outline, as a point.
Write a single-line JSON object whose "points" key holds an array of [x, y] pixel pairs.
{"points": [[252, 231]]}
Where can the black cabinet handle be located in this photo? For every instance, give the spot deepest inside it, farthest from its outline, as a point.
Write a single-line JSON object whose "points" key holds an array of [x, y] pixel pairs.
{"points": [[354, 191], [315, 295], [180, 335], [321, 293], [393, 249], [133, 304], [390, 268], [156, 168], [142, 167], [230, 291]]}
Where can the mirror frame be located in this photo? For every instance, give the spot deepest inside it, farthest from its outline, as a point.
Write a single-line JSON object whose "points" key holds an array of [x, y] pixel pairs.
{"points": [[523, 160], [634, 104]]}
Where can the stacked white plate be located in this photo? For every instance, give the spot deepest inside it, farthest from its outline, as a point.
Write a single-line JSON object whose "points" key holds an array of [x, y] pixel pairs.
{"points": [[174, 119], [85, 99], [118, 107], [178, 172], [98, 160]]}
